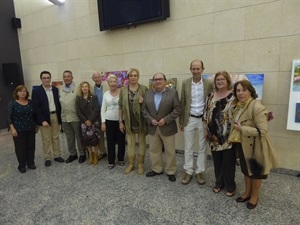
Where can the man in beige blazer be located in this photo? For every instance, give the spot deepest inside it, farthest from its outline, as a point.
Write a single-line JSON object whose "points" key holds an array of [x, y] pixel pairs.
{"points": [[160, 109], [193, 95]]}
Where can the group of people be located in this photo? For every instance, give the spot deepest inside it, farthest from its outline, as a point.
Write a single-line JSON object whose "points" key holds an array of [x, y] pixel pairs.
{"points": [[228, 119]]}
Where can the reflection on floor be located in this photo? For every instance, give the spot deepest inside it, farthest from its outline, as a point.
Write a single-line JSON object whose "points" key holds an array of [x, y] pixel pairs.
{"points": [[80, 194]]}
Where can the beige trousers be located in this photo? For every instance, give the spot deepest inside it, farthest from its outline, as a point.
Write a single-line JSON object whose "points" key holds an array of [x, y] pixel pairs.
{"points": [[156, 142], [50, 138], [131, 144]]}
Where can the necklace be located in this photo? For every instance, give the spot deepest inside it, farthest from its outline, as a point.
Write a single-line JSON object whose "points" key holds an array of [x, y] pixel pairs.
{"points": [[131, 95]]}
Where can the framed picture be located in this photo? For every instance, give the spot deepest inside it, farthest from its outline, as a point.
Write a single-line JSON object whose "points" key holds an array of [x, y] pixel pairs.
{"points": [[121, 75], [57, 83], [293, 117]]}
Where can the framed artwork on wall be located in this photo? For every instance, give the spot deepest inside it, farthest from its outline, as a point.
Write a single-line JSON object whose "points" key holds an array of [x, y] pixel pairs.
{"points": [[293, 118]]}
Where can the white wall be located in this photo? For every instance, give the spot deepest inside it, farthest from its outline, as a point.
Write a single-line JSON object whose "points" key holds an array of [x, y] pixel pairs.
{"points": [[240, 36]]}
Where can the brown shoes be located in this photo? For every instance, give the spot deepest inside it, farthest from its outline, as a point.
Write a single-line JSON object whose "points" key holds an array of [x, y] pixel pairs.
{"points": [[200, 178], [186, 178]]}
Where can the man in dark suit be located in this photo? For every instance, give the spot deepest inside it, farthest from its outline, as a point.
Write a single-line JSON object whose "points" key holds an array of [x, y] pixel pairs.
{"points": [[46, 103], [160, 108], [193, 95]]}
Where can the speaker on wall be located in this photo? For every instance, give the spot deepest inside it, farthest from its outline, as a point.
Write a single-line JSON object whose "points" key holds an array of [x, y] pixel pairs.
{"points": [[12, 74], [16, 22]]}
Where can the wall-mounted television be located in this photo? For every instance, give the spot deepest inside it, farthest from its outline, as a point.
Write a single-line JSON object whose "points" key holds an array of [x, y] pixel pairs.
{"points": [[114, 14]]}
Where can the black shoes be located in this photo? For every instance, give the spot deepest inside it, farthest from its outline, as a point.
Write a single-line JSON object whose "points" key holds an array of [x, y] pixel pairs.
{"points": [[82, 158], [48, 163], [59, 159], [240, 199], [32, 167], [251, 206], [22, 170], [153, 173], [71, 158], [172, 178]]}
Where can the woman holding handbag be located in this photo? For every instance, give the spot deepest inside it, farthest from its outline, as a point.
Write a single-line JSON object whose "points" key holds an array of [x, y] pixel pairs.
{"points": [[88, 112], [251, 140]]}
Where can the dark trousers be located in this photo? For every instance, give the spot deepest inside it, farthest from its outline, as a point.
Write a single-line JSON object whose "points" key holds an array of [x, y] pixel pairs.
{"points": [[25, 148], [114, 136], [224, 166]]}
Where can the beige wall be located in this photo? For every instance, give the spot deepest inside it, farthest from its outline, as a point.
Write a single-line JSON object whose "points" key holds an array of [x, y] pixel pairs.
{"points": [[240, 36]]}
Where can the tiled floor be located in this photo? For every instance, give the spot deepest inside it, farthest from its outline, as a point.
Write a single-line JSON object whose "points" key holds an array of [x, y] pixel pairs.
{"points": [[80, 194]]}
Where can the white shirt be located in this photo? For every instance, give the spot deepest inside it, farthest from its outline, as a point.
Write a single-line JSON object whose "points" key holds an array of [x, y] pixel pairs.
{"points": [[110, 107], [50, 99], [197, 98]]}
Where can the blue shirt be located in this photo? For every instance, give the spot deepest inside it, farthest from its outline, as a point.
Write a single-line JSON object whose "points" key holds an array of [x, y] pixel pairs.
{"points": [[157, 98], [98, 91]]}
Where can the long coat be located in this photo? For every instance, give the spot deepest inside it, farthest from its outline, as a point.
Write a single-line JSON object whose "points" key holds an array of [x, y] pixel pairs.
{"points": [[137, 108], [255, 115]]}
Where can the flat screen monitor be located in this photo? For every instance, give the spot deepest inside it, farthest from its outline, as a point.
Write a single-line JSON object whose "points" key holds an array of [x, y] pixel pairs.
{"points": [[115, 14]]}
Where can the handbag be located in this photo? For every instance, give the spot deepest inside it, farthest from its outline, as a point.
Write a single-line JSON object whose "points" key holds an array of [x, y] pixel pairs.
{"points": [[256, 167]]}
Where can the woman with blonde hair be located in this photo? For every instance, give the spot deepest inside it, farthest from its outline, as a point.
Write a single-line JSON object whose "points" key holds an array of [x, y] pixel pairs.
{"points": [[217, 121], [130, 102], [110, 122], [22, 126], [88, 112]]}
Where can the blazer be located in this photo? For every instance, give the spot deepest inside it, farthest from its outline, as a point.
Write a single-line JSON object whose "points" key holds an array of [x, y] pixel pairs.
{"points": [[41, 104], [169, 109], [185, 99]]}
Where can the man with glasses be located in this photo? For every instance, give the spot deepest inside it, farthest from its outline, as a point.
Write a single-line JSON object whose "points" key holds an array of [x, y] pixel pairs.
{"points": [[193, 95], [47, 107], [160, 108]]}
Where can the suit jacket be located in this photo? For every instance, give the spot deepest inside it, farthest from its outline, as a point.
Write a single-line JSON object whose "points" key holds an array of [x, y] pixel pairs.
{"points": [[185, 99], [41, 104], [169, 109]]}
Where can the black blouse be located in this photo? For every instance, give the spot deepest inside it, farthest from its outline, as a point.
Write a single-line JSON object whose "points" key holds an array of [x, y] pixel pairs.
{"points": [[21, 116]]}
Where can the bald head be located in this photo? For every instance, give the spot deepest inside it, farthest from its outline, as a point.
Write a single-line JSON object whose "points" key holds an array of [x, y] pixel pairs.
{"points": [[197, 62]]}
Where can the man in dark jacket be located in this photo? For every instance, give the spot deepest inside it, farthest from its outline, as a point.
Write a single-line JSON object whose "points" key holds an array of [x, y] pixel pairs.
{"points": [[46, 104]]}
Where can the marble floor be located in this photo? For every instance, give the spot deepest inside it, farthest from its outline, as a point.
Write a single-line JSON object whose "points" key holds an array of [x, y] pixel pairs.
{"points": [[80, 194]]}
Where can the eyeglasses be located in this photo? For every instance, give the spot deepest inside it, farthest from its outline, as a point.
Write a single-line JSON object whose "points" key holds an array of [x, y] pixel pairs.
{"points": [[221, 79], [46, 78], [158, 79]]}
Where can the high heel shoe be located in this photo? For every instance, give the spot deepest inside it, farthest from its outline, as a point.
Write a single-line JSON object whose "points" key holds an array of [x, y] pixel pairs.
{"points": [[240, 199], [251, 206]]}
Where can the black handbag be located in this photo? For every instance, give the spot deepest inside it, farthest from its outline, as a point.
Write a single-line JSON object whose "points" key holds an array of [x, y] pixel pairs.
{"points": [[256, 167]]}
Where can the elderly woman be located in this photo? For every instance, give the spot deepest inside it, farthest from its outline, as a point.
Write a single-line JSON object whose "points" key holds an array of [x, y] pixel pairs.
{"points": [[217, 120], [21, 120], [130, 102], [110, 122], [88, 112], [251, 140]]}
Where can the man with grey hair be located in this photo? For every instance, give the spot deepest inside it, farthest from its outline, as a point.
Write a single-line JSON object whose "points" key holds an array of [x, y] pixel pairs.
{"points": [[70, 120], [98, 91]]}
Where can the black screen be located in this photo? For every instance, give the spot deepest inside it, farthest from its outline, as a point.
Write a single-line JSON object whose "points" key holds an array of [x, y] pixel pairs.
{"points": [[122, 13]]}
